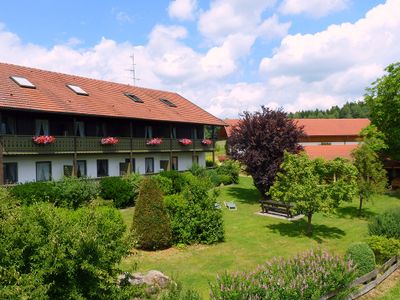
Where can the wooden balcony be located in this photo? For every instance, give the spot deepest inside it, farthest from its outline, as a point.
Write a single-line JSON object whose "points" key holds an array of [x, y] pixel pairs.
{"points": [[18, 144]]}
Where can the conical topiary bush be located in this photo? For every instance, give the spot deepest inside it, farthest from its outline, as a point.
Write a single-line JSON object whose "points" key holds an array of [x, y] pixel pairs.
{"points": [[151, 226]]}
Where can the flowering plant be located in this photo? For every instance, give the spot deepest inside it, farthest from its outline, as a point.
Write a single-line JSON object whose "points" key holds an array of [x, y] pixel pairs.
{"points": [[154, 141], [206, 142], [109, 140], [185, 142], [43, 139]]}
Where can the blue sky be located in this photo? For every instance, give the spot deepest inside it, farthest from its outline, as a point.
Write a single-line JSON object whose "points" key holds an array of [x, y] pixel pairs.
{"points": [[225, 55]]}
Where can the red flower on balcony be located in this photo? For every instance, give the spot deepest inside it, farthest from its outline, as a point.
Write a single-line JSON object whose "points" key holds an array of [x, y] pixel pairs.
{"points": [[185, 142], [109, 140], [206, 142], [154, 141], [43, 139]]}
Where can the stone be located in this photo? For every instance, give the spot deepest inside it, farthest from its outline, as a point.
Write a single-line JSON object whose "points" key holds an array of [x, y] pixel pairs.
{"points": [[151, 278]]}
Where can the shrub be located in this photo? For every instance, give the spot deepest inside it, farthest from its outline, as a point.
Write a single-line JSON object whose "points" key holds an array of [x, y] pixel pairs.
{"points": [[225, 179], [73, 192], [384, 248], [134, 180], [209, 163], [151, 226], [194, 218], [362, 256], [178, 181], [386, 224], [34, 192], [198, 170], [230, 168], [214, 177], [307, 276], [165, 184], [118, 190], [56, 253]]}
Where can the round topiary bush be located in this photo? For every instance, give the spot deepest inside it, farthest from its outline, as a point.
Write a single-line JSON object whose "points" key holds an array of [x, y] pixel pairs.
{"points": [[151, 226], [362, 256]]}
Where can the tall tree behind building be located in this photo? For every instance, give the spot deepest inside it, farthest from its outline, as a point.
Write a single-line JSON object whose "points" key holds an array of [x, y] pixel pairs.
{"points": [[350, 110]]}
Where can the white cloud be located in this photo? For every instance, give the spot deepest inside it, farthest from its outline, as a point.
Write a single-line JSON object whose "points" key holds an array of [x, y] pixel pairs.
{"points": [[315, 8], [182, 9], [271, 28], [121, 16]]}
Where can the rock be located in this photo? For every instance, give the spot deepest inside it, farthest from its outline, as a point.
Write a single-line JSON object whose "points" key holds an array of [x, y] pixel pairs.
{"points": [[152, 278]]}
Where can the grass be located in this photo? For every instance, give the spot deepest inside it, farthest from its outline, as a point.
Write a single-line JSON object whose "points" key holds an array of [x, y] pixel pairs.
{"points": [[251, 239], [393, 294]]}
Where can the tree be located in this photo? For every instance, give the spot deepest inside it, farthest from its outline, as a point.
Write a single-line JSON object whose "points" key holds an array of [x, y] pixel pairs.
{"points": [[259, 142], [383, 99], [151, 225], [313, 185]]}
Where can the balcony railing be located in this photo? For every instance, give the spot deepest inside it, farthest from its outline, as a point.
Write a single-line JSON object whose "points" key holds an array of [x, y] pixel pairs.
{"points": [[19, 144]]}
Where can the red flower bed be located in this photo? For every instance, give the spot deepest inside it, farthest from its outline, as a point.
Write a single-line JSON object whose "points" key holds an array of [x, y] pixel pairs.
{"points": [[109, 140], [206, 142], [154, 141], [185, 142], [43, 139]]}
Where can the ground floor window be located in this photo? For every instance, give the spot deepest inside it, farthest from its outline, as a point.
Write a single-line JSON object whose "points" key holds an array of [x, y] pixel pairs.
{"points": [[81, 168], [126, 166], [102, 167], [164, 165], [43, 171], [149, 165], [174, 165], [10, 173]]}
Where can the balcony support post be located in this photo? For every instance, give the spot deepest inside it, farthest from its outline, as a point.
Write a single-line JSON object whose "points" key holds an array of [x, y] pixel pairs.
{"points": [[170, 148], [75, 157], [130, 167]]}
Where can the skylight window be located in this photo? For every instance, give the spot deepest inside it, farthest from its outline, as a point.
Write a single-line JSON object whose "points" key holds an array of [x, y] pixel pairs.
{"points": [[23, 82], [77, 89], [134, 98], [167, 102]]}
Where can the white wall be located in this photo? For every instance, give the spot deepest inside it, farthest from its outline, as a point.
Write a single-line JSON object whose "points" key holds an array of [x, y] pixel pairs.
{"points": [[27, 163]]}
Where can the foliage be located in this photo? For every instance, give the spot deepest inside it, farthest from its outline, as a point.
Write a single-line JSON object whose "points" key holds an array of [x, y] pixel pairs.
{"points": [[56, 253], [349, 110], [117, 189], [383, 99], [259, 141], [178, 180], [69, 192], [386, 224], [307, 276], [384, 248], [134, 180], [313, 185], [209, 163], [362, 256], [165, 184], [231, 169], [373, 138], [151, 225], [214, 178], [197, 170], [176, 292], [194, 218]]}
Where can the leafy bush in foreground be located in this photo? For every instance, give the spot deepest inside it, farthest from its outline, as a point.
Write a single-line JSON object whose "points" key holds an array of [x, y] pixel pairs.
{"points": [[362, 256], [384, 248], [118, 190], [386, 224], [177, 178], [151, 226], [56, 253], [307, 276]]}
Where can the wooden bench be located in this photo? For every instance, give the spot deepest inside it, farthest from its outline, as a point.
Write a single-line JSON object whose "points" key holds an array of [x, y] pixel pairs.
{"points": [[281, 208]]}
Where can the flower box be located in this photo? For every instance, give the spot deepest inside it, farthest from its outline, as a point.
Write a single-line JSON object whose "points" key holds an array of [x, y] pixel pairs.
{"points": [[154, 142], [185, 142], [206, 142], [43, 139], [109, 141]]}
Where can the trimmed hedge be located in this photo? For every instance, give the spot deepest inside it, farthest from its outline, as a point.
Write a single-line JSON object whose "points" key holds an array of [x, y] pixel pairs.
{"points": [[362, 256], [386, 224]]}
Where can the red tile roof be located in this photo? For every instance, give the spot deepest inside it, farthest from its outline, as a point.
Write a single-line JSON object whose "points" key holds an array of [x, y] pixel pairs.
{"points": [[105, 98], [332, 127], [330, 151]]}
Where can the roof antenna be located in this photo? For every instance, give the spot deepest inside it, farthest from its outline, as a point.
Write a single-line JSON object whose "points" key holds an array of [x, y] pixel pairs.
{"points": [[133, 70]]}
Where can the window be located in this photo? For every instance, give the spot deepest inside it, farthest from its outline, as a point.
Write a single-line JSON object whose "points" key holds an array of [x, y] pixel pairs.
{"points": [[126, 167], [134, 98], [148, 132], [81, 168], [173, 132], [68, 170], [23, 82], [167, 102], [10, 173], [43, 171], [41, 127], [164, 165], [149, 165], [80, 129], [8, 125], [77, 89], [174, 165], [101, 129], [102, 167]]}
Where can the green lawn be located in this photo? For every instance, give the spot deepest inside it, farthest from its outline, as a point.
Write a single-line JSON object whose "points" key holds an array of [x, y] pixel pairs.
{"points": [[251, 239]]}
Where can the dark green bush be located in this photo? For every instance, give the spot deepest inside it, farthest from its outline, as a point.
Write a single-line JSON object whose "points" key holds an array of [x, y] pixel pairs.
{"points": [[384, 248], [230, 168], [34, 192], [225, 179], [209, 163], [194, 218], [386, 224], [213, 177], [307, 276], [56, 253], [165, 184], [117, 189], [178, 180], [151, 226], [198, 170], [362, 256]]}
